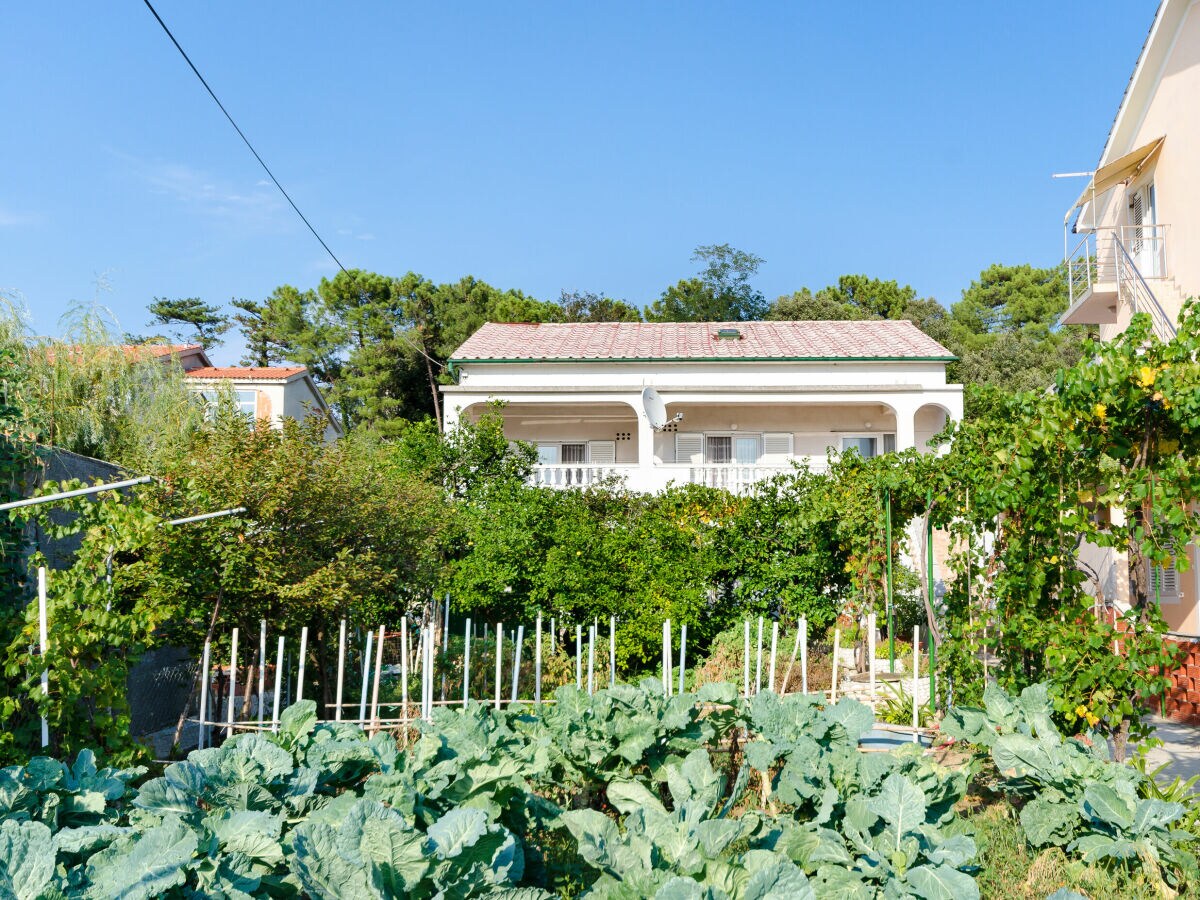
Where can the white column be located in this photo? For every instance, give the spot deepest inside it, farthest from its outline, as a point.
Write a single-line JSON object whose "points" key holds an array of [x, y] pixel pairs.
{"points": [[645, 448], [906, 412]]}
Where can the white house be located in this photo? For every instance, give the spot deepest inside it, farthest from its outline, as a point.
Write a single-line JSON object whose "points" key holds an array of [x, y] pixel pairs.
{"points": [[271, 392], [745, 399]]}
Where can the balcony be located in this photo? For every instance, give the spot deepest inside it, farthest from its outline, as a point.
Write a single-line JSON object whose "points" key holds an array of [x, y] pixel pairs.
{"points": [[1116, 271], [733, 477]]}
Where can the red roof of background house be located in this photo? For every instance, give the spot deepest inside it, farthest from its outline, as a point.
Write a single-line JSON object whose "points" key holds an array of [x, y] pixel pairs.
{"points": [[247, 373], [160, 349], [877, 339]]}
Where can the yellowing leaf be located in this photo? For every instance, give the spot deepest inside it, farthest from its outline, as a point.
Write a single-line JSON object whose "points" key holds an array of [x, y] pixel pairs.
{"points": [[1146, 376]]}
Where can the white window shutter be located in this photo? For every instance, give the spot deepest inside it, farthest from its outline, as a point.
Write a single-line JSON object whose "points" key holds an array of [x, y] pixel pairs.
{"points": [[1166, 579], [689, 447], [602, 452], [777, 447]]}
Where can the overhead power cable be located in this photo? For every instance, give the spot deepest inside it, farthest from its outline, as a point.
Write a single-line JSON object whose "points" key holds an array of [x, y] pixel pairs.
{"points": [[265, 167]]}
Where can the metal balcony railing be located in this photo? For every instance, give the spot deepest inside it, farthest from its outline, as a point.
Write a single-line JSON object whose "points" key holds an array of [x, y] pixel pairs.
{"points": [[1123, 256]]}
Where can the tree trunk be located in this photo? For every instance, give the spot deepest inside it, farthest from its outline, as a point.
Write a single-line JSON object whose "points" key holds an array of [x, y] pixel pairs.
{"points": [[437, 406], [212, 625]]}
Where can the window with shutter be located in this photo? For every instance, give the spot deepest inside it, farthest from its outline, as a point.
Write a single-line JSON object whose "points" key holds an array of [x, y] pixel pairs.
{"points": [[602, 452], [1165, 581], [777, 448], [1137, 215], [689, 448]]}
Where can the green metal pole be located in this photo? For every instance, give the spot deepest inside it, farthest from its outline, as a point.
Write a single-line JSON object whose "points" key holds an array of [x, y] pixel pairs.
{"points": [[933, 704], [891, 623]]}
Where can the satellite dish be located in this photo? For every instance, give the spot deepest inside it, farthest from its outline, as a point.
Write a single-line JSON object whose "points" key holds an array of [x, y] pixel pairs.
{"points": [[656, 410]]}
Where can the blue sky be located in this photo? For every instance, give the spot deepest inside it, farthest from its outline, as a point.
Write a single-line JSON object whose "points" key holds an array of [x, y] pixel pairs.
{"points": [[544, 146]]}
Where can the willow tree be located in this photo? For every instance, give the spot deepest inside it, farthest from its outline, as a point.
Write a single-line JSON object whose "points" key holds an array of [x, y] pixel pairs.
{"points": [[88, 393]]}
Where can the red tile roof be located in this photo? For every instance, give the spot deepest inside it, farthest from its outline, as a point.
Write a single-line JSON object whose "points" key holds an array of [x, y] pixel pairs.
{"points": [[160, 349], [247, 373], [887, 339]]}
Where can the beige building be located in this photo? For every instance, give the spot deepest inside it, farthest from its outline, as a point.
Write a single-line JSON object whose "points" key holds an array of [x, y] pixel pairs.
{"points": [[1133, 245], [1133, 236]]}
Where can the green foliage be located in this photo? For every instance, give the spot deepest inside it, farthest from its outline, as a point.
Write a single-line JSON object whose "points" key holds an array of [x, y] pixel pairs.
{"points": [[473, 806], [191, 319], [86, 394], [1109, 457], [1072, 795], [100, 628], [720, 292], [640, 785], [585, 306]]}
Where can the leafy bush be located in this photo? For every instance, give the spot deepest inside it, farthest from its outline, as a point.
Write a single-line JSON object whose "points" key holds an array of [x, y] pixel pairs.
{"points": [[1070, 793]]}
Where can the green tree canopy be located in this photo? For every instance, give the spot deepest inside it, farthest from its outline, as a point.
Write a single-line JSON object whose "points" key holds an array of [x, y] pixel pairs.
{"points": [[720, 292], [585, 306], [190, 319]]}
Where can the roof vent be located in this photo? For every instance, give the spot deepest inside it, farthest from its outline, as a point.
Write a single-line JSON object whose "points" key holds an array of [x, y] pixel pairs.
{"points": [[728, 334]]}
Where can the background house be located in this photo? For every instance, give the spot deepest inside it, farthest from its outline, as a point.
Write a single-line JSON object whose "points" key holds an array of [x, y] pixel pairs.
{"points": [[1134, 246], [746, 398], [272, 393]]}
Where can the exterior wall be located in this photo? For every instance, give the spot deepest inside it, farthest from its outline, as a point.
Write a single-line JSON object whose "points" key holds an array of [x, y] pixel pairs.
{"points": [[61, 465], [1167, 108], [814, 428], [566, 423], [665, 376]]}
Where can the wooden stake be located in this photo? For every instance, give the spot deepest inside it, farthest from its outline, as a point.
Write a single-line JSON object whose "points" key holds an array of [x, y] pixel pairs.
{"points": [[774, 646], [746, 662], [612, 651], [303, 655], [804, 654], [579, 657], [404, 669], [366, 680], [341, 676], [445, 643], [682, 655], [499, 655], [916, 669], [232, 681], [791, 662], [517, 662], [204, 679], [537, 664], [667, 657], [833, 678], [758, 659], [375, 685], [44, 643], [278, 685], [591, 660], [467, 664], [262, 671], [871, 652]]}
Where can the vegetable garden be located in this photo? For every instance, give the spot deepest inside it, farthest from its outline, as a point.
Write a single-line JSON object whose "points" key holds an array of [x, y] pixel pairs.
{"points": [[626, 793]]}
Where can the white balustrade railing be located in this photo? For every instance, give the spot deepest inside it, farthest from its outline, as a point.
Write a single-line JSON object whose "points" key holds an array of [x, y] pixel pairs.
{"points": [[733, 477], [577, 474]]}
